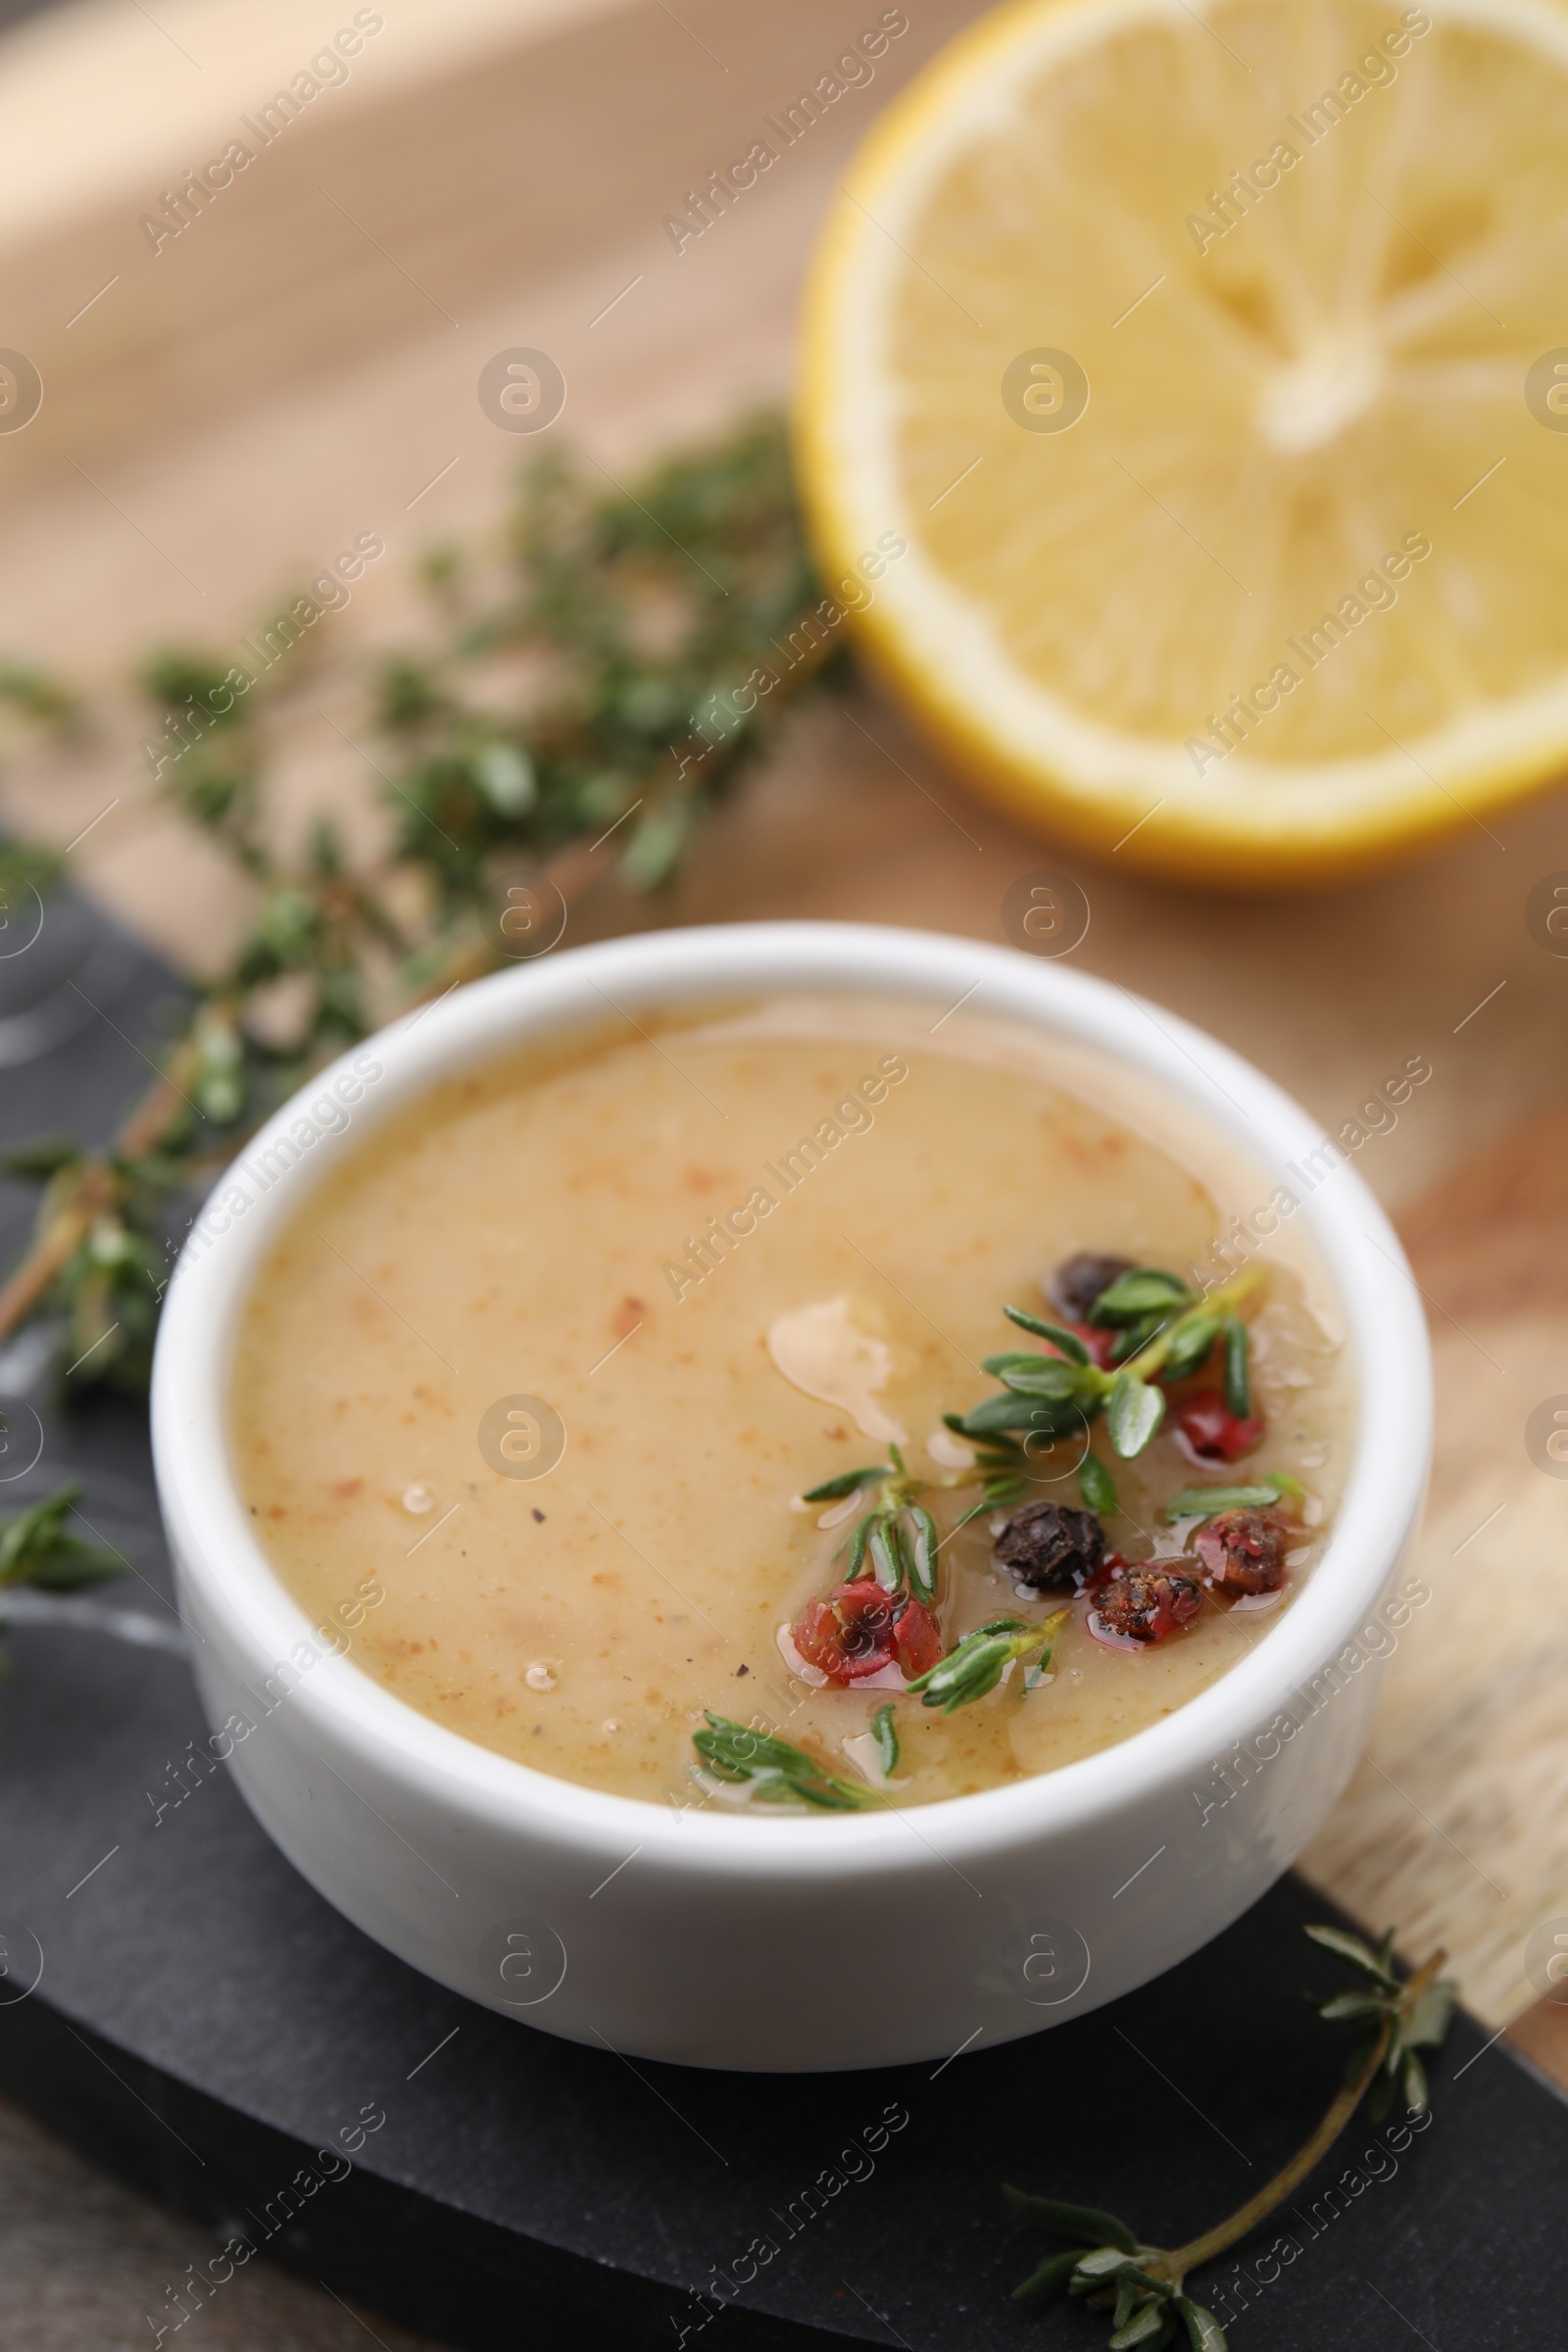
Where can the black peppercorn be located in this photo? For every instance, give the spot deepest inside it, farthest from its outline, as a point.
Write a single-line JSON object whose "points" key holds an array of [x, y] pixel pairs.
{"points": [[1051, 1546]]}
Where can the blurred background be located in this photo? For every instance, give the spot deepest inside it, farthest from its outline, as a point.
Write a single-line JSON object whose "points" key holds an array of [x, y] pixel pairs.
{"points": [[300, 364], [297, 370]]}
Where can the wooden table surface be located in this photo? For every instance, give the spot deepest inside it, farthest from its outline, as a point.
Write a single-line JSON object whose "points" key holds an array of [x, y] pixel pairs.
{"points": [[300, 365]]}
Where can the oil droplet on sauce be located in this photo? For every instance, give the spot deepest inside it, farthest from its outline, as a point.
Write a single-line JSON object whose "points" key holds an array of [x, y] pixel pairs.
{"points": [[821, 1352]]}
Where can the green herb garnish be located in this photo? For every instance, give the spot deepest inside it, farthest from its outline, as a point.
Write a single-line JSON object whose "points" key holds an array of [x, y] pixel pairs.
{"points": [[1190, 1347], [898, 1531], [1163, 1328], [858, 1540], [884, 1732], [889, 1564], [922, 1546], [779, 1771], [976, 1665], [1257, 1494], [1143, 2286], [1238, 1375], [1134, 1410], [1095, 1487], [35, 1548], [903, 1545], [1067, 1341], [1398, 2020], [1170, 1331], [1143, 1290], [847, 1481], [1051, 1405]]}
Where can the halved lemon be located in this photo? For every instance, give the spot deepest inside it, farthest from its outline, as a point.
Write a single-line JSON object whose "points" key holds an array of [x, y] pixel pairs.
{"points": [[1211, 364]]}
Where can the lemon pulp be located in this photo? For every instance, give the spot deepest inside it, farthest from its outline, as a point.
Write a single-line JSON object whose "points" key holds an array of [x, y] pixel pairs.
{"points": [[1208, 364]]}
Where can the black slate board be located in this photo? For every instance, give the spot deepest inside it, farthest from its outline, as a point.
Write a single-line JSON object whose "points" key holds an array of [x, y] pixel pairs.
{"points": [[204, 2023]]}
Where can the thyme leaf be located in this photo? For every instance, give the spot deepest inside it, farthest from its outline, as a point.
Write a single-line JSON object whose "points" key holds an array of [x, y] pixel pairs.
{"points": [[1095, 1487], [857, 1543], [1135, 1410], [1257, 1494], [847, 1481], [920, 1549], [1189, 1348], [1043, 1416], [1050, 2277], [1238, 1376], [886, 1545], [1144, 1291], [37, 1549], [1067, 1341], [1204, 2331], [1153, 1352], [1376, 1965], [974, 1666], [1086, 2221], [776, 1769], [1047, 1376]]}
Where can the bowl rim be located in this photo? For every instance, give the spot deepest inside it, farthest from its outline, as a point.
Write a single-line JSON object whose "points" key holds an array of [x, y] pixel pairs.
{"points": [[211, 1536]]}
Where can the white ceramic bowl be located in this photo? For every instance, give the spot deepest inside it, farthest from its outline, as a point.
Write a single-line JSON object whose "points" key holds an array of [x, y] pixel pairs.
{"points": [[733, 1941]]}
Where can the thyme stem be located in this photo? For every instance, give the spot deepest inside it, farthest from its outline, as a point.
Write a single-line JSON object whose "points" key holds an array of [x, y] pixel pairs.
{"points": [[1220, 1302], [98, 1187], [1291, 2175], [62, 1232]]}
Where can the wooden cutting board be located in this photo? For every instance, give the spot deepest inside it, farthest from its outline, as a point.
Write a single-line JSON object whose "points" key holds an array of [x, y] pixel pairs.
{"points": [[301, 366], [1456, 1825]]}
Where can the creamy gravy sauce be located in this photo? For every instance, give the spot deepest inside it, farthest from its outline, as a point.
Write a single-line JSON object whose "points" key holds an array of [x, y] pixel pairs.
{"points": [[525, 1229]]}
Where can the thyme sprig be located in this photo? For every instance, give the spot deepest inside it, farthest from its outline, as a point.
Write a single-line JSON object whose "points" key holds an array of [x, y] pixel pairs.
{"points": [[1397, 2020], [1254, 1495], [1144, 2285], [975, 1665], [1169, 1331], [776, 1771], [620, 667], [897, 1533], [38, 1549], [1163, 1330]]}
